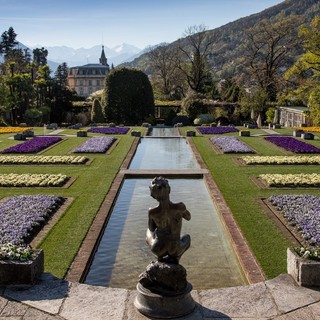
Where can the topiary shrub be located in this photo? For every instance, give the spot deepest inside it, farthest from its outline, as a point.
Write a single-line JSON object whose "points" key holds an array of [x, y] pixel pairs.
{"points": [[96, 112], [206, 118], [193, 105]]}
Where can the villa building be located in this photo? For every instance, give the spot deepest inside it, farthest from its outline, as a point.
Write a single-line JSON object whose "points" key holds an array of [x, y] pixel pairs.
{"points": [[90, 77], [291, 116]]}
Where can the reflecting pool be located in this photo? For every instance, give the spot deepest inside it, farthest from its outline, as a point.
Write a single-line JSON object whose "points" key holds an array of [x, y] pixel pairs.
{"points": [[163, 153], [123, 253]]}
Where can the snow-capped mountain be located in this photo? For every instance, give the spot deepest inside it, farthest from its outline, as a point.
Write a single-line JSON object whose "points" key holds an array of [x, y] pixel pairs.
{"points": [[81, 56], [78, 57]]}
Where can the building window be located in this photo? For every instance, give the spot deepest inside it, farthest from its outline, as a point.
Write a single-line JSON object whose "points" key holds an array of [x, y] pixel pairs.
{"points": [[98, 82], [90, 82], [81, 82]]}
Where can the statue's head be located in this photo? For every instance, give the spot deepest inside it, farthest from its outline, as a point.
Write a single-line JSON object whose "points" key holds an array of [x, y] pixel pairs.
{"points": [[159, 188]]}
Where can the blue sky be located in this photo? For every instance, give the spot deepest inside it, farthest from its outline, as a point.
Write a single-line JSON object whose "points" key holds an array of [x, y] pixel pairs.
{"points": [[142, 23]]}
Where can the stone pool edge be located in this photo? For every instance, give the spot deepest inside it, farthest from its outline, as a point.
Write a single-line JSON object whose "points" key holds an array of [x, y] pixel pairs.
{"points": [[249, 264]]}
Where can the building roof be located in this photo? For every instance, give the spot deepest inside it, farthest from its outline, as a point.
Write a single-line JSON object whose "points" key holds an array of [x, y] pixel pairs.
{"points": [[295, 108]]}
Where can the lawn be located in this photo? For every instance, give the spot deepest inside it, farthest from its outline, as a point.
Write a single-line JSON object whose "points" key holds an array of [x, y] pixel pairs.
{"points": [[242, 196], [88, 191], [93, 181]]}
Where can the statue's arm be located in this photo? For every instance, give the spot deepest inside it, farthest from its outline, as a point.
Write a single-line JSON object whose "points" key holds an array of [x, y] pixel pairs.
{"points": [[151, 224], [185, 213]]}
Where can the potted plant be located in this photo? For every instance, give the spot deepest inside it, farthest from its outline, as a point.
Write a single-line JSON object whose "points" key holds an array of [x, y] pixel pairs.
{"points": [[244, 133], [82, 133], [20, 264], [303, 264]]}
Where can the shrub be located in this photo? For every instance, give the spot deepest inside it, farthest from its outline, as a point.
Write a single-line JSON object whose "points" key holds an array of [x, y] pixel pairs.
{"points": [[203, 119]]}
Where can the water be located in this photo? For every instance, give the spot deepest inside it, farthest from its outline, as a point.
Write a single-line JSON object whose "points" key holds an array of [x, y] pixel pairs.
{"points": [[164, 132], [163, 153], [123, 253]]}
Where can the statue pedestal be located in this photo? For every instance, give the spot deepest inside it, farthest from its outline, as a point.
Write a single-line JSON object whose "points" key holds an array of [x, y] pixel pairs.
{"points": [[164, 305]]}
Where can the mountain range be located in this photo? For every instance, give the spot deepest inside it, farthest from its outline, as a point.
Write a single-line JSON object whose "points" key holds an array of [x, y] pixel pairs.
{"points": [[75, 57], [228, 45]]}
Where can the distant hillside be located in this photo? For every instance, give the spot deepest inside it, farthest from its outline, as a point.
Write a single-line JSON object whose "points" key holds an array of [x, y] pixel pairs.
{"points": [[227, 48]]}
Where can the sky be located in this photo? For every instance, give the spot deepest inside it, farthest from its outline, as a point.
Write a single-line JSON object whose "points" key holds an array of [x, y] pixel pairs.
{"points": [[142, 23]]}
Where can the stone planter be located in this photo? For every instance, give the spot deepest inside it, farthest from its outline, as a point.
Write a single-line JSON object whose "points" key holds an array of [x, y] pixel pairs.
{"points": [[276, 126], [82, 134], [307, 136], [297, 133], [14, 272], [136, 133], [305, 272], [19, 136], [191, 133], [244, 133]]}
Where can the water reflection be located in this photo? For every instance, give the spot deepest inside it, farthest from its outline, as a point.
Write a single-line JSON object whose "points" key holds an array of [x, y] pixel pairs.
{"points": [[123, 253], [163, 153]]}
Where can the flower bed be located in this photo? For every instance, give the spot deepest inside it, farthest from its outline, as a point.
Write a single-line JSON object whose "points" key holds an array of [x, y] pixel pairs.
{"points": [[301, 211], [291, 180], [310, 129], [33, 145], [21, 216], [43, 159], [13, 129], [217, 130], [231, 145], [32, 180], [96, 144], [250, 160], [109, 130], [293, 145]]}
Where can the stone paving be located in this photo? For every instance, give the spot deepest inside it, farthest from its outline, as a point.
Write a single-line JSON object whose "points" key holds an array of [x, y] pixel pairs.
{"points": [[53, 298]]}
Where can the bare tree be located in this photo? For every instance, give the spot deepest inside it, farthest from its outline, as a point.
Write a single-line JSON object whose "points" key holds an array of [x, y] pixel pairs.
{"points": [[163, 59], [268, 47], [194, 50]]}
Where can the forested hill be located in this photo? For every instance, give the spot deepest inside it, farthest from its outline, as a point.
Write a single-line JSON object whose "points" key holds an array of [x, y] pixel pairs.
{"points": [[229, 38]]}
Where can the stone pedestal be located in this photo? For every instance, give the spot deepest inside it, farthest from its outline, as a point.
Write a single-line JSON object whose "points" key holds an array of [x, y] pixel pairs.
{"points": [[164, 306]]}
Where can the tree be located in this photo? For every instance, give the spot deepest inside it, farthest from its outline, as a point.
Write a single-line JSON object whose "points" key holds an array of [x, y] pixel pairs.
{"points": [[8, 41], [194, 51], [97, 115], [128, 96], [267, 51], [164, 61], [40, 56], [62, 96], [304, 74]]}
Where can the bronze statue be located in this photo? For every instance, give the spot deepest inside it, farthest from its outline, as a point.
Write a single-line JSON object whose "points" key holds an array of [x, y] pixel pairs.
{"points": [[165, 222], [163, 289]]}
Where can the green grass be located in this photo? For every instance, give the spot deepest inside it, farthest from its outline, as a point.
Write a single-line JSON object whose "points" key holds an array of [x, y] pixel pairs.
{"points": [[93, 182], [88, 191], [241, 194]]}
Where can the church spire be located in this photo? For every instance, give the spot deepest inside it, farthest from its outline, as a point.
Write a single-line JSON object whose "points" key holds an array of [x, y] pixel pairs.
{"points": [[103, 59]]}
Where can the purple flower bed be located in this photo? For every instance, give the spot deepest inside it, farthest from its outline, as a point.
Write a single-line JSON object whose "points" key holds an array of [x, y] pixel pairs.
{"points": [[293, 145], [216, 130], [33, 145], [231, 145], [96, 144], [109, 130], [303, 212], [21, 216]]}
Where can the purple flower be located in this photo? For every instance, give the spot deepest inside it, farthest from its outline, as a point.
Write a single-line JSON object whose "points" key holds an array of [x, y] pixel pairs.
{"points": [[301, 211], [109, 130], [231, 144], [293, 145], [33, 145], [96, 144], [21, 216], [217, 130]]}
